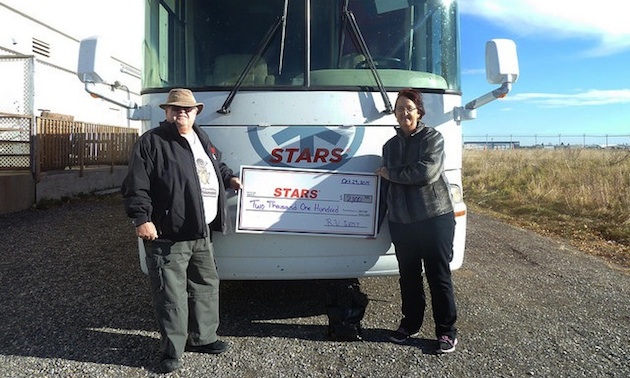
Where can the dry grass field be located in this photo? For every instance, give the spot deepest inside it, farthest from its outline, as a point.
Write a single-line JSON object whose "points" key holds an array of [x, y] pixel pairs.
{"points": [[579, 194]]}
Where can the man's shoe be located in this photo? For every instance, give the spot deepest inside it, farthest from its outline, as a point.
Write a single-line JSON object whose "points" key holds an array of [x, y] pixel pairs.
{"points": [[446, 344], [168, 365], [401, 335], [216, 347]]}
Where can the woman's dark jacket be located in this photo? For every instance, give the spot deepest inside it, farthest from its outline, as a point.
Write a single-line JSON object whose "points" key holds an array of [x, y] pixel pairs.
{"points": [[417, 188], [162, 185]]}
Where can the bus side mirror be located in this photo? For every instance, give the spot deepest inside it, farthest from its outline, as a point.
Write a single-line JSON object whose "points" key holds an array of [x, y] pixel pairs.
{"points": [[501, 61], [501, 68], [95, 65], [98, 71]]}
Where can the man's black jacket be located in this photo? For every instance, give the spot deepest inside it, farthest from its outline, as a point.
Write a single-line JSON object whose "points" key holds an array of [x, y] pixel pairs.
{"points": [[162, 185]]}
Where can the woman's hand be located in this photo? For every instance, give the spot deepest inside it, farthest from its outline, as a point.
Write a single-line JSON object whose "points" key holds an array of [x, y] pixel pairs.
{"points": [[382, 171]]}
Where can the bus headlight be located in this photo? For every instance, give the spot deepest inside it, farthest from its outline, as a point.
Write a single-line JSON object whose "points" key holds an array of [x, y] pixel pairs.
{"points": [[457, 194]]}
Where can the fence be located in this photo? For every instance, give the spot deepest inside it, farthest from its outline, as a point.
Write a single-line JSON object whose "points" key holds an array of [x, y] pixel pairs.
{"points": [[61, 144], [67, 144], [548, 140], [15, 141]]}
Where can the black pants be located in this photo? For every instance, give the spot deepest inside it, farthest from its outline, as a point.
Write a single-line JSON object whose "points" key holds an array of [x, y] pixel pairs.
{"points": [[429, 242]]}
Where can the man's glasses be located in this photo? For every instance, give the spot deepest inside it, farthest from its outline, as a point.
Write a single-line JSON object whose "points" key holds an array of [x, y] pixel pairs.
{"points": [[405, 110], [187, 109]]}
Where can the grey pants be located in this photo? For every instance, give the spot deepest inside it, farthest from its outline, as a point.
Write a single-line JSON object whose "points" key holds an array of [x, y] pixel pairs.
{"points": [[185, 287]]}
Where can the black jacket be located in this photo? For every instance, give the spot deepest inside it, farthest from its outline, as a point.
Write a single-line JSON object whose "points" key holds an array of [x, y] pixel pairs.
{"points": [[162, 185], [417, 188]]}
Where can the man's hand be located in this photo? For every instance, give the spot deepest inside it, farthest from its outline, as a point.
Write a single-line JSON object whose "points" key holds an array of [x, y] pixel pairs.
{"points": [[147, 231], [235, 183]]}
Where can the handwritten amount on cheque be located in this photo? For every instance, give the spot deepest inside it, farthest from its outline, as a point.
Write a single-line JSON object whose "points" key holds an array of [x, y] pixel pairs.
{"points": [[317, 208]]}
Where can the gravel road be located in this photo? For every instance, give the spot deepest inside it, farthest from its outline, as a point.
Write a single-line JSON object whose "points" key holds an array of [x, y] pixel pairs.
{"points": [[75, 304]]}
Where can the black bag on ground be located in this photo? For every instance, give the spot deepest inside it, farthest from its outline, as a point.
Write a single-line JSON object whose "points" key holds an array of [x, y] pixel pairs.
{"points": [[345, 311]]}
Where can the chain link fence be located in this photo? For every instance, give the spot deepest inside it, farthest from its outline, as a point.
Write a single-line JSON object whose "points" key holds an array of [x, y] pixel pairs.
{"points": [[489, 141], [15, 142]]}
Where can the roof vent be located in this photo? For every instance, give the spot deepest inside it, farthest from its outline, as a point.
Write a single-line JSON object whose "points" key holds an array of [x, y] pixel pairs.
{"points": [[41, 48]]}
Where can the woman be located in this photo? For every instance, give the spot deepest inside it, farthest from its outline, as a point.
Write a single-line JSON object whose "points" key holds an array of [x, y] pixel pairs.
{"points": [[421, 221]]}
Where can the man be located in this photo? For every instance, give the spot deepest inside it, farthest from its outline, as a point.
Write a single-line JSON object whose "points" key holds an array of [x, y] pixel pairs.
{"points": [[174, 192]]}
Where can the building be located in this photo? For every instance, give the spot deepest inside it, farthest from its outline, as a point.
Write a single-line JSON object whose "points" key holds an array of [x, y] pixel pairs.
{"points": [[492, 145], [38, 74]]}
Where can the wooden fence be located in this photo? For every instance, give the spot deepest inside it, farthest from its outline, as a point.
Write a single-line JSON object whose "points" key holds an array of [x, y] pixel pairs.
{"points": [[61, 145]]}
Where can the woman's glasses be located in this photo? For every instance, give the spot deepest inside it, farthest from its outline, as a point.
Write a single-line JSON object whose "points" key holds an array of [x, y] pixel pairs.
{"points": [[407, 110]]}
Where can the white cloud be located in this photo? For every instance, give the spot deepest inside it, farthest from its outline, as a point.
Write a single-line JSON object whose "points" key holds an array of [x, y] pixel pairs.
{"points": [[593, 97], [604, 21]]}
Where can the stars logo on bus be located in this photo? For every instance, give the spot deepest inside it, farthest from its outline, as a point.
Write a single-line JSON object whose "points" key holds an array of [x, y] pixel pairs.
{"points": [[322, 147]]}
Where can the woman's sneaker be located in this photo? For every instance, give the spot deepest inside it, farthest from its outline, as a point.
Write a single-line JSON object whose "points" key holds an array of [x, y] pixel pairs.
{"points": [[401, 335], [446, 344]]}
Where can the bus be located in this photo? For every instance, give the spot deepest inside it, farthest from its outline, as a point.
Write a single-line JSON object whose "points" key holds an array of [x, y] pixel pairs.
{"points": [[301, 89]]}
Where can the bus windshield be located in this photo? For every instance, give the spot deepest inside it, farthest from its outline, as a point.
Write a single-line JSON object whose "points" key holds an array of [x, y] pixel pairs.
{"points": [[212, 44]]}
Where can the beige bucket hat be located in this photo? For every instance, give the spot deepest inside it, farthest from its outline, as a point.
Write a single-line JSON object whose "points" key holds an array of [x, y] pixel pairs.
{"points": [[182, 97]]}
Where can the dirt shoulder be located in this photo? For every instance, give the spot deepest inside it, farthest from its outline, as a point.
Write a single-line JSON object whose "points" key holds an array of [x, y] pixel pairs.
{"points": [[575, 233]]}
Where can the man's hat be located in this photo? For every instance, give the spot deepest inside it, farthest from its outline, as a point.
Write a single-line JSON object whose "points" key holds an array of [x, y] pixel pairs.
{"points": [[182, 97]]}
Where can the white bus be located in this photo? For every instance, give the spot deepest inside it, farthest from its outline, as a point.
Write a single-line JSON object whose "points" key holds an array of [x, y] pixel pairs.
{"points": [[308, 85]]}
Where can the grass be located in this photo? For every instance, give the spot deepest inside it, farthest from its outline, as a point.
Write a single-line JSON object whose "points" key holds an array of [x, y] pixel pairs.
{"points": [[582, 195]]}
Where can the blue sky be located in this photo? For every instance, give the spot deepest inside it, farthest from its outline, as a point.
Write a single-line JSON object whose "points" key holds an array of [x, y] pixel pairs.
{"points": [[573, 58]]}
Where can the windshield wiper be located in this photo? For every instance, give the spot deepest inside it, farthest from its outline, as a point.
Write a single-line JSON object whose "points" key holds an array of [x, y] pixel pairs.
{"points": [[350, 22], [262, 47]]}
